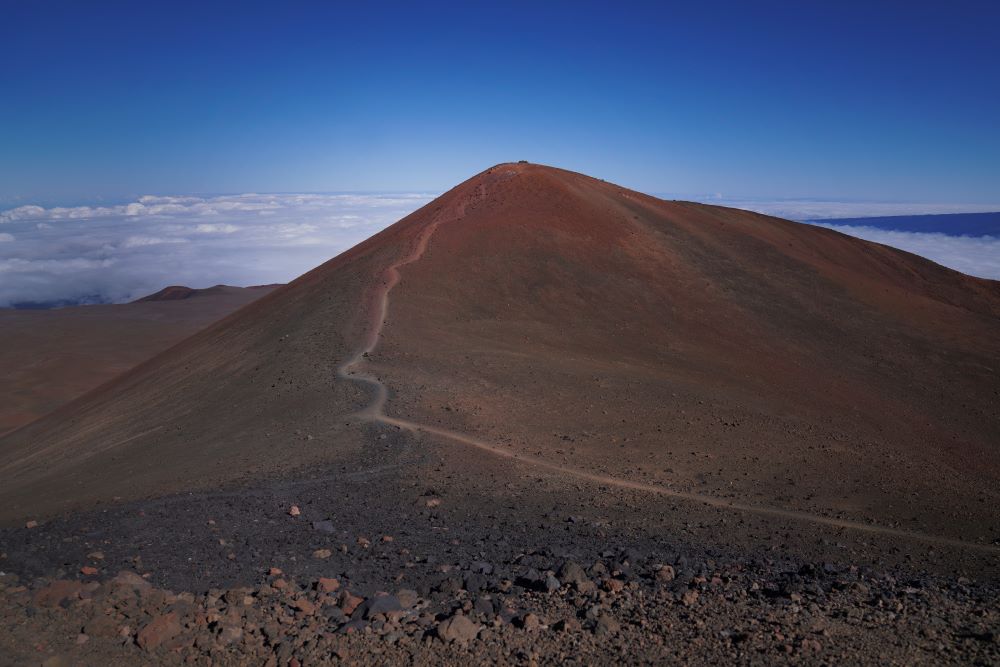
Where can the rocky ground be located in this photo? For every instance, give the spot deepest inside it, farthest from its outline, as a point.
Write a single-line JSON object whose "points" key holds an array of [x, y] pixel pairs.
{"points": [[637, 431], [400, 559], [624, 606]]}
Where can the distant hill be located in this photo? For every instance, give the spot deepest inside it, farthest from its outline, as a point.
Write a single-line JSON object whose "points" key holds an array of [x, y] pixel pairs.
{"points": [[54, 353], [90, 300], [181, 292], [953, 224]]}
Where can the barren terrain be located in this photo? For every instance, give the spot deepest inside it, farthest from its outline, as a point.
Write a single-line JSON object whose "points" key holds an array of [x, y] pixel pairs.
{"points": [[540, 368], [50, 357]]}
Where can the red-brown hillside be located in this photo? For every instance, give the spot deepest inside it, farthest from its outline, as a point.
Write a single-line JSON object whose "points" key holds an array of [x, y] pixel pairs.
{"points": [[698, 348], [50, 357]]}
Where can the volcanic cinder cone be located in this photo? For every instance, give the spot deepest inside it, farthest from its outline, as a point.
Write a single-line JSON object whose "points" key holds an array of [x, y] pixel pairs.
{"points": [[589, 330]]}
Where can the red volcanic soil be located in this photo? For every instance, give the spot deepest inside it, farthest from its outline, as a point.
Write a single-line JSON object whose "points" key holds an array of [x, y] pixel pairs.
{"points": [[51, 357], [767, 368], [704, 349]]}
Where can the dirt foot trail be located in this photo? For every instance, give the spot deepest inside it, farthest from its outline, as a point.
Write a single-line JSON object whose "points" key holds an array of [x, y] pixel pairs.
{"points": [[375, 412]]}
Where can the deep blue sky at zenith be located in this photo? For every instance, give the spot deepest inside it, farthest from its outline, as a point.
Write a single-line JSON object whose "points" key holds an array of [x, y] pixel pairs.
{"points": [[842, 100]]}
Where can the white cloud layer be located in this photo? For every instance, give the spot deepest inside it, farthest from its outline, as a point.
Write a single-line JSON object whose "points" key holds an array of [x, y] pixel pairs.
{"points": [[804, 209], [118, 253], [974, 255]]}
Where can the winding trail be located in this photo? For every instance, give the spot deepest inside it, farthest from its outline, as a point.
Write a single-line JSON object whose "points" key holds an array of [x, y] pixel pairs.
{"points": [[375, 412]]}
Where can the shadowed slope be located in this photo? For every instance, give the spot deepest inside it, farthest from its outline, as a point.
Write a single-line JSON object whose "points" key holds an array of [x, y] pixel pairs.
{"points": [[666, 343]]}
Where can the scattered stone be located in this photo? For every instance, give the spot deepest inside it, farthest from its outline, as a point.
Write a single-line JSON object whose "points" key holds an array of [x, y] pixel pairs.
{"points": [[381, 604], [31, 524], [407, 598], [475, 582], [351, 627], [349, 603], [449, 586], [458, 629], [482, 567], [811, 646], [752, 608], [101, 626], [325, 526], [614, 585], [566, 625], [294, 510], [159, 630], [325, 585], [53, 594], [129, 579], [606, 625], [484, 605], [305, 606], [334, 614], [322, 553], [530, 622], [231, 634], [572, 573]]}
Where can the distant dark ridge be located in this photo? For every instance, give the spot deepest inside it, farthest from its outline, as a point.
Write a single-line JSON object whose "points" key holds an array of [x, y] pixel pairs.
{"points": [[171, 293], [178, 292], [92, 300], [953, 224]]}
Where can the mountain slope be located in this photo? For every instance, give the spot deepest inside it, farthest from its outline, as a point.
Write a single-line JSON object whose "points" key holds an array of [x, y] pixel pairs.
{"points": [[50, 357], [569, 321]]}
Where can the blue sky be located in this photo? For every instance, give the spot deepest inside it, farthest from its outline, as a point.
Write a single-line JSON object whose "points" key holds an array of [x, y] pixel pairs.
{"points": [[888, 101]]}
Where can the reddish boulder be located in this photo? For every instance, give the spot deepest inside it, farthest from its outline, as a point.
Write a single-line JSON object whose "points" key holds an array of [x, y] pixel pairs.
{"points": [[159, 630], [325, 585], [349, 603], [53, 594]]}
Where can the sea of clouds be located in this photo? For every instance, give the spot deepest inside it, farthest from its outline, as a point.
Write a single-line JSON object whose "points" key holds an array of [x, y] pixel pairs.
{"points": [[974, 255], [111, 254], [820, 209]]}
